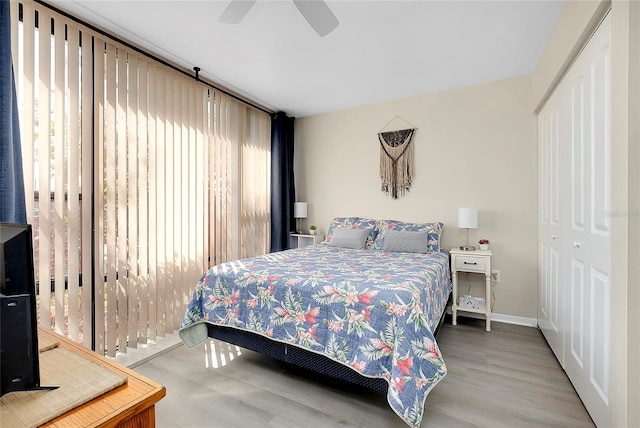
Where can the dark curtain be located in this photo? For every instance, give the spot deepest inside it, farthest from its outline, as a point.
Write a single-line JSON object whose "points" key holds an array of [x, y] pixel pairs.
{"points": [[282, 182], [12, 205]]}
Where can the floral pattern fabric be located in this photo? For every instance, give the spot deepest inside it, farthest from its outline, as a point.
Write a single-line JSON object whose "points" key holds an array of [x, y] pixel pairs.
{"points": [[373, 311], [354, 223], [434, 231]]}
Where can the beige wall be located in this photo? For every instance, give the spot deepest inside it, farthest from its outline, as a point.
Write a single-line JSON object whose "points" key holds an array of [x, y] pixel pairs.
{"points": [[625, 298], [632, 262], [575, 25], [474, 147]]}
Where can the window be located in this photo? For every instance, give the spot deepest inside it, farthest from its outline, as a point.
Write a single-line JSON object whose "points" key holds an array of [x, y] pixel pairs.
{"points": [[138, 178]]}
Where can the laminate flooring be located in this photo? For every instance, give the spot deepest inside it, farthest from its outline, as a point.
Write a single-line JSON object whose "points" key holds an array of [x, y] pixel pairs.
{"points": [[508, 377]]}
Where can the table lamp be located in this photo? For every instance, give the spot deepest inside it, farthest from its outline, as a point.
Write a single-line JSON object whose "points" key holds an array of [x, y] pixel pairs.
{"points": [[468, 219], [299, 211]]}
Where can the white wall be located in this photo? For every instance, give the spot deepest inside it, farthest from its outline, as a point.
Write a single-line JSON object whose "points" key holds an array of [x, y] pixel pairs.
{"points": [[474, 147]]}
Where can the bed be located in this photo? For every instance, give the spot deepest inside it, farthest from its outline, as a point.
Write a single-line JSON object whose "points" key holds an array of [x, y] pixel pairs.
{"points": [[361, 306]]}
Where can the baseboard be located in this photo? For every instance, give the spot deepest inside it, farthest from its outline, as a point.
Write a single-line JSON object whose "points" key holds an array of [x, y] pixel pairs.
{"points": [[507, 319], [143, 353], [511, 319]]}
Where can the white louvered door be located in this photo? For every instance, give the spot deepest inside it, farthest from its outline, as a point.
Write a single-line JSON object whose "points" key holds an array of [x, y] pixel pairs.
{"points": [[575, 255]]}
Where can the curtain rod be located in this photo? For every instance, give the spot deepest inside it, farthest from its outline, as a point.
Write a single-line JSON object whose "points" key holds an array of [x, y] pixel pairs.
{"points": [[196, 77]]}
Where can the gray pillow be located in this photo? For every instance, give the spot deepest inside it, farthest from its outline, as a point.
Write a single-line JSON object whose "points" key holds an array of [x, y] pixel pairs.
{"points": [[405, 242], [349, 238]]}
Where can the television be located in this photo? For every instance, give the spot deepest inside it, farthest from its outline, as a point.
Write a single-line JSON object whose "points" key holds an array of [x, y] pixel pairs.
{"points": [[19, 358]]}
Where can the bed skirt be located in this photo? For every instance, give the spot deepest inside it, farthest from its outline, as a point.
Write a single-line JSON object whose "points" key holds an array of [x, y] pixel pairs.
{"points": [[298, 356], [293, 355]]}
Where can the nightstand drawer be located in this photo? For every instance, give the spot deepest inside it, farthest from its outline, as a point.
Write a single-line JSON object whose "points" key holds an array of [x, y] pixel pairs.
{"points": [[471, 263]]}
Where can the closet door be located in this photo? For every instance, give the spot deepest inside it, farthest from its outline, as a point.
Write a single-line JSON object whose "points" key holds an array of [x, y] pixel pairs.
{"points": [[550, 292], [588, 331], [574, 139]]}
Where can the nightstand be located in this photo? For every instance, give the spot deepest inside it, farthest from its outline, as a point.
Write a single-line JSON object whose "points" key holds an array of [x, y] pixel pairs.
{"points": [[473, 262], [299, 240]]}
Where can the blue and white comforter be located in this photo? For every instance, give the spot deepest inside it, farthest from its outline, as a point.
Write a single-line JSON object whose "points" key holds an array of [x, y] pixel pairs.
{"points": [[373, 311]]}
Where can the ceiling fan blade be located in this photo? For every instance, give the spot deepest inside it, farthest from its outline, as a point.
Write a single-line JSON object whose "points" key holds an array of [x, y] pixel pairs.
{"points": [[235, 11], [318, 15]]}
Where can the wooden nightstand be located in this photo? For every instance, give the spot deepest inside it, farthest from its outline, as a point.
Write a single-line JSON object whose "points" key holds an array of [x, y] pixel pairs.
{"points": [[474, 262], [299, 240]]}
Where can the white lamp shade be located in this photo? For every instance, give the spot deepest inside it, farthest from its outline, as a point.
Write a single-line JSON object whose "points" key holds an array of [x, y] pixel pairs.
{"points": [[300, 210], [468, 218]]}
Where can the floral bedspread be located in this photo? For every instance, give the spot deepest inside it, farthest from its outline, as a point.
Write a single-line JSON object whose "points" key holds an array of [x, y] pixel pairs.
{"points": [[373, 311]]}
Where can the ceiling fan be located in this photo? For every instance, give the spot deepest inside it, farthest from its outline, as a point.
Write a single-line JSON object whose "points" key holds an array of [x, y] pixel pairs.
{"points": [[316, 12]]}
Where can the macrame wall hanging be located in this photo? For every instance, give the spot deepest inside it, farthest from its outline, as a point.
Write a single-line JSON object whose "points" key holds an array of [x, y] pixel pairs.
{"points": [[396, 161]]}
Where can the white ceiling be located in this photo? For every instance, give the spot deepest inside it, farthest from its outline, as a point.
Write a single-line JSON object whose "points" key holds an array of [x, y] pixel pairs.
{"points": [[382, 50]]}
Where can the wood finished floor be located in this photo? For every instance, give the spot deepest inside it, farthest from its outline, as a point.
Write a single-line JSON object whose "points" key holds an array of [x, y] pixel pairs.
{"points": [[505, 378]]}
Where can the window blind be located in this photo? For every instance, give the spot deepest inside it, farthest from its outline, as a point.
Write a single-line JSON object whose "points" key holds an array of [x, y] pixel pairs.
{"points": [[138, 178]]}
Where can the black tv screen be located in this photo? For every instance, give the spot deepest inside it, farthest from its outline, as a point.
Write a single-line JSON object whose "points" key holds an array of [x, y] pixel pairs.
{"points": [[19, 359], [16, 259]]}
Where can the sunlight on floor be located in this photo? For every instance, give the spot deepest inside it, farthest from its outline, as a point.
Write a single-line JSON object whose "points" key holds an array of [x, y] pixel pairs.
{"points": [[217, 354]]}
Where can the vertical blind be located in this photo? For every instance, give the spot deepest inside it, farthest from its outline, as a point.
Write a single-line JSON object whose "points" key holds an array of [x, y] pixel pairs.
{"points": [[138, 178]]}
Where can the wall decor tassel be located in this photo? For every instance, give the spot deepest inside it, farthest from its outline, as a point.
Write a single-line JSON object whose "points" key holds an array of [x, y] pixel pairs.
{"points": [[396, 161]]}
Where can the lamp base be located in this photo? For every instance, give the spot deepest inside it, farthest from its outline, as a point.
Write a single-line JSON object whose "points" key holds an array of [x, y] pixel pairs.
{"points": [[467, 248]]}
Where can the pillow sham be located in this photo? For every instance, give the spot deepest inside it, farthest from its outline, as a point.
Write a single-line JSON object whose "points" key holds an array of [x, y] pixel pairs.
{"points": [[434, 231], [349, 238], [353, 223], [405, 242]]}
